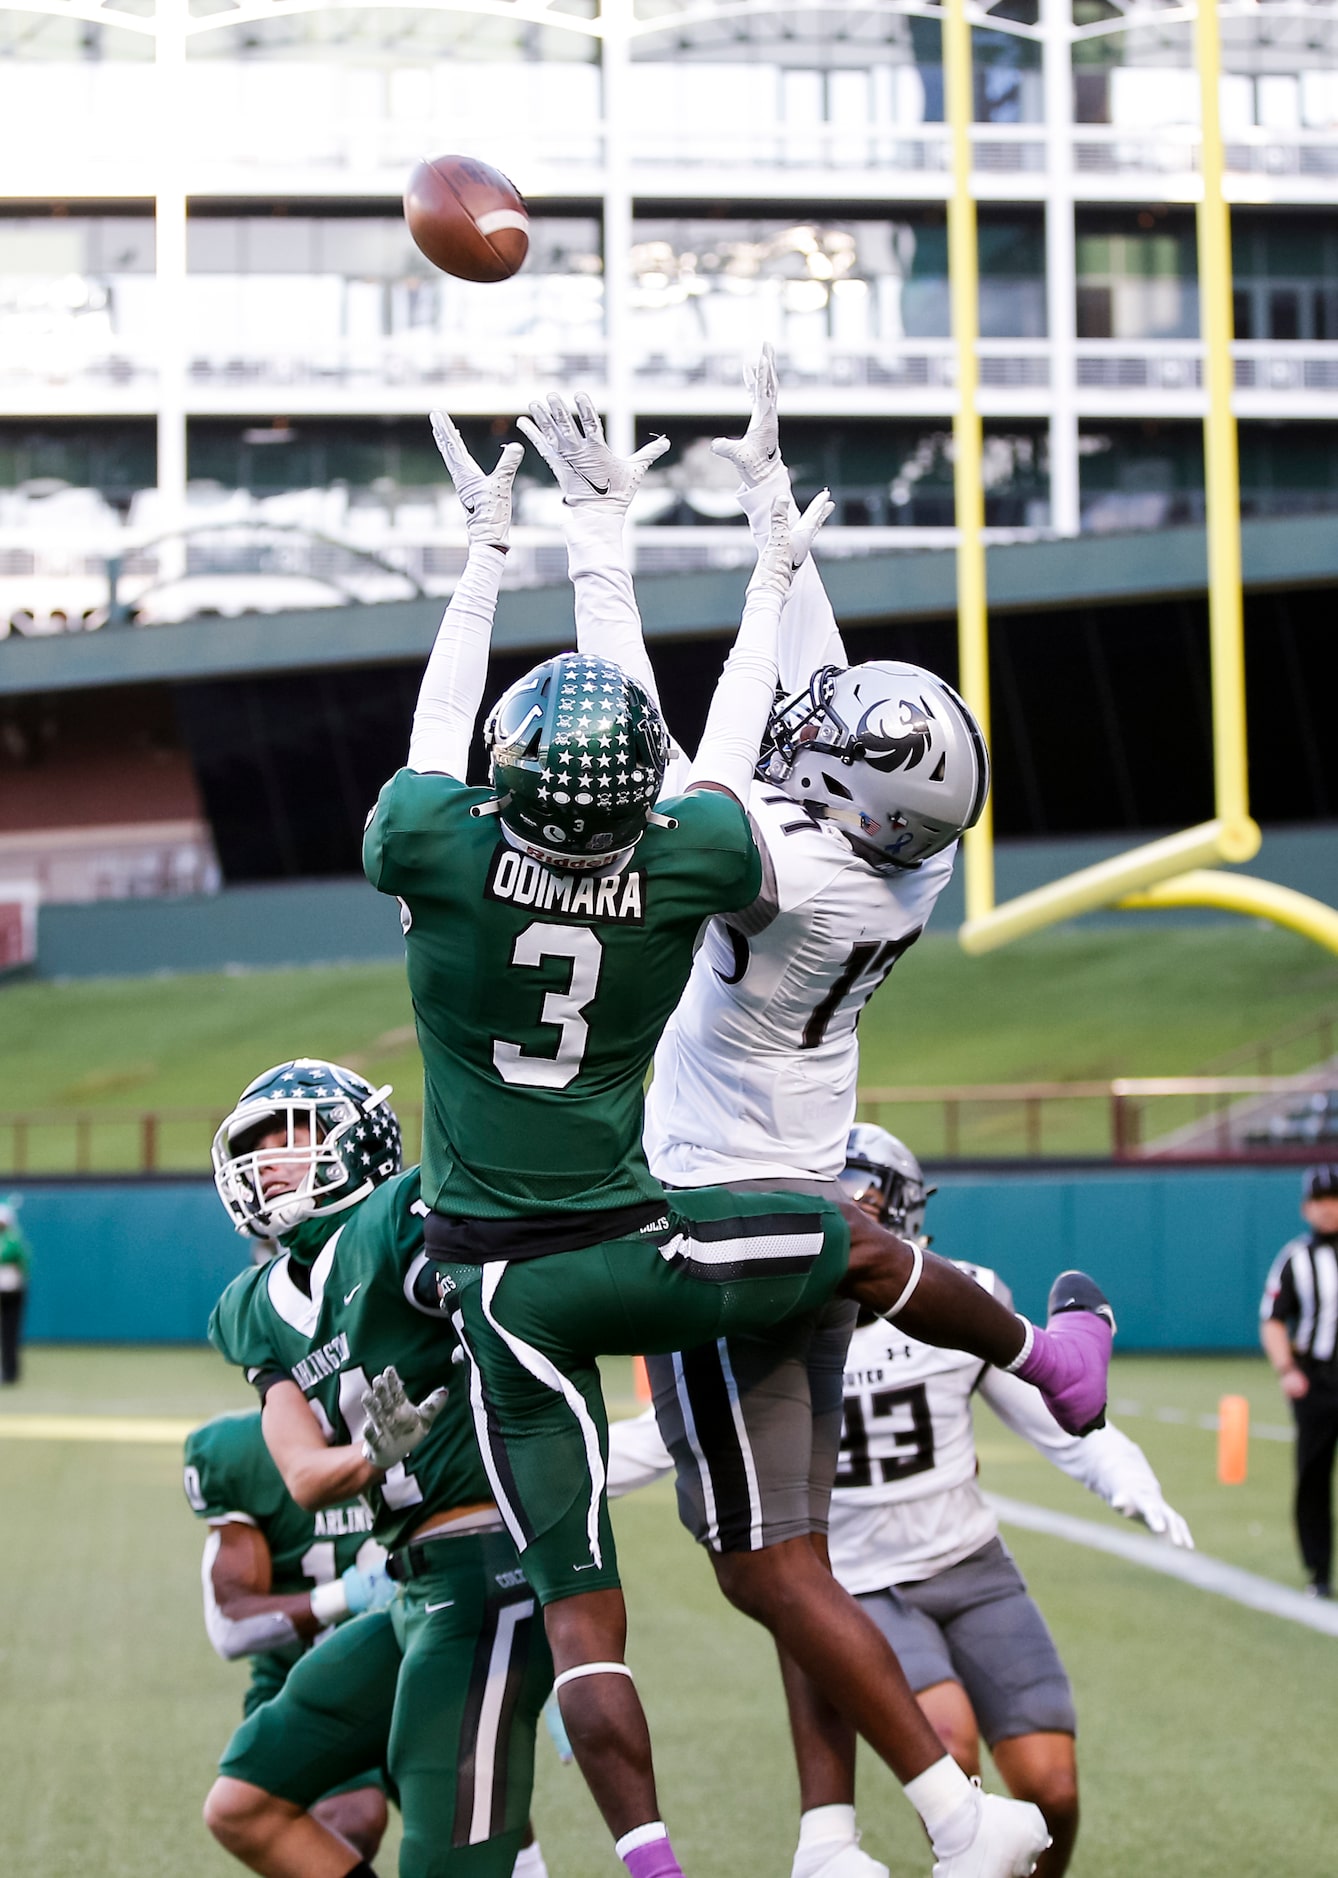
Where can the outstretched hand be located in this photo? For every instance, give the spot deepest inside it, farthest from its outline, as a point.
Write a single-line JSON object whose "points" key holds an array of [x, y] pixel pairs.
{"points": [[485, 499], [395, 1425], [574, 447], [757, 452], [788, 543]]}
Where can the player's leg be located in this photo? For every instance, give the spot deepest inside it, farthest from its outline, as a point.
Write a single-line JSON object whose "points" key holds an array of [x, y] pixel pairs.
{"points": [[1006, 1658], [543, 1435], [475, 1675], [1316, 1434], [329, 1723], [358, 1814]]}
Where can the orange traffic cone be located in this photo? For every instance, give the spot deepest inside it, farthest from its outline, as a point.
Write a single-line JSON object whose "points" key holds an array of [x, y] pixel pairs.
{"points": [[1233, 1440]]}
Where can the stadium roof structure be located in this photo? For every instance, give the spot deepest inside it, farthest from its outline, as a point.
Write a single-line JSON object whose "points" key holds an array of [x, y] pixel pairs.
{"points": [[1094, 571]]}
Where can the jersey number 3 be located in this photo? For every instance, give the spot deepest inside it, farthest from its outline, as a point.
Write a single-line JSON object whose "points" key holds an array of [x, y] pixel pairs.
{"points": [[532, 1069]]}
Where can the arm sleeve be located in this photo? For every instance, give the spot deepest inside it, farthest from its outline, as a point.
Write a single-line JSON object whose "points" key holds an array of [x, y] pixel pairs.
{"points": [[1104, 1462], [637, 1455], [608, 620], [741, 706], [244, 1636], [457, 670], [809, 635]]}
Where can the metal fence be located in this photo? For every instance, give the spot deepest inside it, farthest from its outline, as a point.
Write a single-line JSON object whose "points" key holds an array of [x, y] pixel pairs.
{"points": [[1247, 1118]]}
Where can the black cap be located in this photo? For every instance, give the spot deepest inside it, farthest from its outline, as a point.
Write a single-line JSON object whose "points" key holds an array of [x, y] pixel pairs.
{"points": [[1320, 1183]]}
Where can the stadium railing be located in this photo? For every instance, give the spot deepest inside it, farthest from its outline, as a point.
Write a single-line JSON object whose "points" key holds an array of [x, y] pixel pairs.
{"points": [[1247, 1118]]}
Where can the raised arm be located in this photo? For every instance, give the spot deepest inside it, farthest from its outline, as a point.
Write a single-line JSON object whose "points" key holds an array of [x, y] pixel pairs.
{"points": [[741, 706], [1106, 1461], [315, 1473], [597, 488], [457, 668], [809, 636]]}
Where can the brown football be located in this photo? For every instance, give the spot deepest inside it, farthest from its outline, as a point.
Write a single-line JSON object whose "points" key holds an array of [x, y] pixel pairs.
{"points": [[468, 219]]}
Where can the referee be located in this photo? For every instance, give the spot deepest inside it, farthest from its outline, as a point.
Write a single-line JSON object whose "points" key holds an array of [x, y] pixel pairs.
{"points": [[1299, 1332]]}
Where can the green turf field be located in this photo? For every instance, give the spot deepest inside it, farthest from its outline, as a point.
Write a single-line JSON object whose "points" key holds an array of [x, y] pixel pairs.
{"points": [[1206, 1728], [1080, 1003]]}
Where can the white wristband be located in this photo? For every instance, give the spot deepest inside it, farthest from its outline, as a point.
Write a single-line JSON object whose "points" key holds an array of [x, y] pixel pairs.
{"points": [[329, 1603]]}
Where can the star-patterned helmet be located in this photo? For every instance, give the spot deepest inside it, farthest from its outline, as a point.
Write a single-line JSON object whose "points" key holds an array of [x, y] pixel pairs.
{"points": [[338, 1138], [577, 752]]}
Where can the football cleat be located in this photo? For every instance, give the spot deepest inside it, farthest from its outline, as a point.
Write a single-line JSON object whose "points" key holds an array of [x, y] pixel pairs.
{"points": [[1010, 1837], [1069, 1359], [850, 1862], [757, 453]]}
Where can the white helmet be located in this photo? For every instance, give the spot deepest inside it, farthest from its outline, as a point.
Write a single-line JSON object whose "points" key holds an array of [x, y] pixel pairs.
{"points": [[877, 1162], [888, 752]]}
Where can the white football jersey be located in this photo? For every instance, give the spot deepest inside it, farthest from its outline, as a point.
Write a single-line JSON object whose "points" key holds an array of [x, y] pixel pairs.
{"points": [[756, 1073], [907, 1503]]}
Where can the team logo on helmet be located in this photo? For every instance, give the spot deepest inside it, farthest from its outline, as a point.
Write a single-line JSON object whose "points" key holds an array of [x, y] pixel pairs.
{"points": [[902, 743]]}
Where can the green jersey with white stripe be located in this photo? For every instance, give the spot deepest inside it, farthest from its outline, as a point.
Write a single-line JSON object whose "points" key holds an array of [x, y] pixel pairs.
{"points": [[540, 993], [334, 1325], [230, 1475]]}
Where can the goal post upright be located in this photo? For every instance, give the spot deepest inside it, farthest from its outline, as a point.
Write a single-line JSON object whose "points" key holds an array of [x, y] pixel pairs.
{"points": [[973, 653]]}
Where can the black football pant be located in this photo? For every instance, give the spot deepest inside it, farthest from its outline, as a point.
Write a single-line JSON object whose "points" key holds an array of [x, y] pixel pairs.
{"points": [[1316, 1444], [11, 1326]]}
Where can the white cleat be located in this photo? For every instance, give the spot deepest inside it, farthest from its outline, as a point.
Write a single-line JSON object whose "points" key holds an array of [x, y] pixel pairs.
{"points": [[850, 1862], [1010, 1837]]}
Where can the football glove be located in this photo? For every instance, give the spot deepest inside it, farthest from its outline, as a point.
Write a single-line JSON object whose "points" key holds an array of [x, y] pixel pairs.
{"points": [[395, 1425], [486, 500], [574, 448], [368, 1591], [557, 1731], [788, 543], [757, 453], [1145, 1503]]}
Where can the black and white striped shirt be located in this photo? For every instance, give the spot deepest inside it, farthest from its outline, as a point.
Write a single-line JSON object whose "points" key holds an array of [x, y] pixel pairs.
{"points": [[1302, 1293]]}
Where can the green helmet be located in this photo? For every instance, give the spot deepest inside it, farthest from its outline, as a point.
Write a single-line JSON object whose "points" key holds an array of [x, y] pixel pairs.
{"points": [[352, 1144], [577, 752]]}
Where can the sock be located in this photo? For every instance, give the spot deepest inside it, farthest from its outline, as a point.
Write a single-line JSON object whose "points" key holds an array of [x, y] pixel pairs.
{"points": [[947, 1803], [823, 1831], [647, 1853], [529, 1862]]}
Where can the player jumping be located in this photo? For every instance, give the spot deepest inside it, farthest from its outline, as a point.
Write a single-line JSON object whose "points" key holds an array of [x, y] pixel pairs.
{"points": [[550, 922]]}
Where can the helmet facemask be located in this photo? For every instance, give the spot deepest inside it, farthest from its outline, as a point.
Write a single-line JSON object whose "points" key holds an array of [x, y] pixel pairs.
{"points": [[877, 1163], [338, 1139]]}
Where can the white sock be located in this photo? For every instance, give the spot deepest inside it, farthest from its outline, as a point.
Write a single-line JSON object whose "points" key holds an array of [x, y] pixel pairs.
{"points": [[823, 1830], [947, 1803], [529, 1862]]}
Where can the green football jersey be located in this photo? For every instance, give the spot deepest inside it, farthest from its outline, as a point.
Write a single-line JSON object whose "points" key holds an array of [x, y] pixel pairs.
{"points": [[356, 1320], [540, 994], [229, 1472]]}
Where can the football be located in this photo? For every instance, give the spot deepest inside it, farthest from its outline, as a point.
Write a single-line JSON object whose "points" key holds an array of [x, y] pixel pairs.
{"points": [[467, 218]]}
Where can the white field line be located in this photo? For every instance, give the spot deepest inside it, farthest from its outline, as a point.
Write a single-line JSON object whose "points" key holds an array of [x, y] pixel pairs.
{"points": [[1192, 1568], [1127, 1409]]}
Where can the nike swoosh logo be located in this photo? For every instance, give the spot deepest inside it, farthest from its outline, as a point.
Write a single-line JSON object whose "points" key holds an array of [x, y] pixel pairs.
{"points": [[595, 486], [584, 1568], [444, 1605], [350, 1295]]}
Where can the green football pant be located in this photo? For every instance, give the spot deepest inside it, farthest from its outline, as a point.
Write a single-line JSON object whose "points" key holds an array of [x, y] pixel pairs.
{"points": [[269, 1672], [722, 1264], [445, 1688]]}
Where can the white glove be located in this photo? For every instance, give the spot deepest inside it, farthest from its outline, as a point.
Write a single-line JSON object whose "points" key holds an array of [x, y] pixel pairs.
{"points": [[757, 453], [395, 1425], [788, 543], [486, 500], [1146, 1503], [575, 450]]}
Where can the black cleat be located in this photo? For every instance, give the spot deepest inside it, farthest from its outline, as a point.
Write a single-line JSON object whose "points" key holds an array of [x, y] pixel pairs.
{"points": [[1075, 1291]]}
